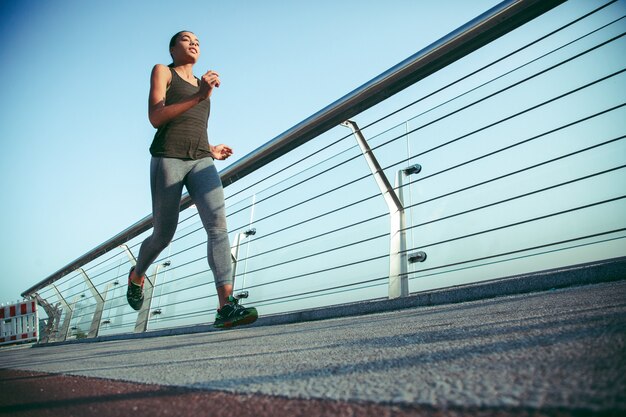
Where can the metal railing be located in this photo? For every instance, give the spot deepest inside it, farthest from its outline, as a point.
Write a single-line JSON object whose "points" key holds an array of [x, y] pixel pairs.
{"points": [[515, 165]]}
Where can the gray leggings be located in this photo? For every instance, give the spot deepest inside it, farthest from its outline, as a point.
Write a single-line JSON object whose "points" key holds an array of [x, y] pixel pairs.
{"points": [[167, 177]]}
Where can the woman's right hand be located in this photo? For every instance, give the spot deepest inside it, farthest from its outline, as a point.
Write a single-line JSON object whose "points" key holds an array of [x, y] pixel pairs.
{"points": [[208, 82]]}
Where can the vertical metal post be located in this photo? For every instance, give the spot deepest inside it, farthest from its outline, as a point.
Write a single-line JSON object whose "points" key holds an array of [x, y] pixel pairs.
{"points": [[62, 334], [251, 231], [398, 280], [51, 330], [141, 325], [106, 292], [234, 254], [97, 315], [398, 272], [73, 309]]}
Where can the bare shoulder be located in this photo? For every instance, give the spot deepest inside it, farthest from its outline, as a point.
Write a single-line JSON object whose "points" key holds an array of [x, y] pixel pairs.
{"points": [[161, 68], [161, 73]]}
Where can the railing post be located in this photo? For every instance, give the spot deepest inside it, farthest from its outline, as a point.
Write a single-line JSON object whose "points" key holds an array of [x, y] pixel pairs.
{"points": [[51, 330], [398, 271], [398, 279], [141, 325], [234, 251], [62, 334], [104, 296], [401, 247], [97, 315], [73, 308]]}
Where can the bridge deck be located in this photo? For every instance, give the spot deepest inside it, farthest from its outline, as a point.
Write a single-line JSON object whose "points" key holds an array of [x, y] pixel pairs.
{"points": [[560, 352]]}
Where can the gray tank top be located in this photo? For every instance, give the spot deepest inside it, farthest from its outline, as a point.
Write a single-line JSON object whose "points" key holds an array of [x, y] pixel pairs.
{"points": [[185, 136]]}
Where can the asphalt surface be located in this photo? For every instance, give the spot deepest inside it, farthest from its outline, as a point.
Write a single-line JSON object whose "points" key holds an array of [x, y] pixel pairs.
{"points": [[560, 352]]}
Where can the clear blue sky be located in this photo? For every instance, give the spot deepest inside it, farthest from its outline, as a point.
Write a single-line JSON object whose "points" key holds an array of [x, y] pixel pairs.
{"points": [[74, 128]]}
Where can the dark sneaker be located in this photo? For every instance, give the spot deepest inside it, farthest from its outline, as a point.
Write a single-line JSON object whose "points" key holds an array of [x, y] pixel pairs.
{"points": [[134, 294], [233, 314]]}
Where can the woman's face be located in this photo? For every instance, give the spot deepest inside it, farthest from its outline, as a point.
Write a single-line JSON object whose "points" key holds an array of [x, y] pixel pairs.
{"points": [[186, 48]]}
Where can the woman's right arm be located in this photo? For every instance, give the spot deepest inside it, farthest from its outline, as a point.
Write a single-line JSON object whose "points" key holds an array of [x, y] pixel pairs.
{"points": [[158, 112]]}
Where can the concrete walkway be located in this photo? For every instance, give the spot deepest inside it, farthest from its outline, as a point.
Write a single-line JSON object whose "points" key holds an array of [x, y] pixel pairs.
{"points": [[560, 352]]}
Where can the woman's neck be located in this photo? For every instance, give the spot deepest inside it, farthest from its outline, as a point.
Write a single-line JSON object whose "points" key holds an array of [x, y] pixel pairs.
{"points": [[185, 71]]}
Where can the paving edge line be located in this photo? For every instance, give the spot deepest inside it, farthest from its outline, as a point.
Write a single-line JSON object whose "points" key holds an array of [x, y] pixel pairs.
{"points": [[575, 275]]}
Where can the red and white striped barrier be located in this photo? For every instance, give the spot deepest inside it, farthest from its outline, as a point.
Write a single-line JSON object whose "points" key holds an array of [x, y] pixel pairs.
{"points": [[19, 322]]}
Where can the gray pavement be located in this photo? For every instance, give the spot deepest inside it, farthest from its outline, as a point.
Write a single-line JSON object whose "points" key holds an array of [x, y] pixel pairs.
{"points": [[555, 350]]}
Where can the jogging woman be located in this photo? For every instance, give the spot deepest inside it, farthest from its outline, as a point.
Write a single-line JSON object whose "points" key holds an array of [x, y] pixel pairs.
{"points": [[179, 107]]}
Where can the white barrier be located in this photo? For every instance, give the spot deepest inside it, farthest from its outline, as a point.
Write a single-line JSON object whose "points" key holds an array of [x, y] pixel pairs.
{"points": [[19, 322]]}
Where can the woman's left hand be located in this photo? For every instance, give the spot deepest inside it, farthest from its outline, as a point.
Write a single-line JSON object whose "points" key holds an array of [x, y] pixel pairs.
{"points": [[221, 152]]}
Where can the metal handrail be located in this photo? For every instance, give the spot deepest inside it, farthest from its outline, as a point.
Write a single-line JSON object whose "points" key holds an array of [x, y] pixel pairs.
{"points": [[494, 23]]}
